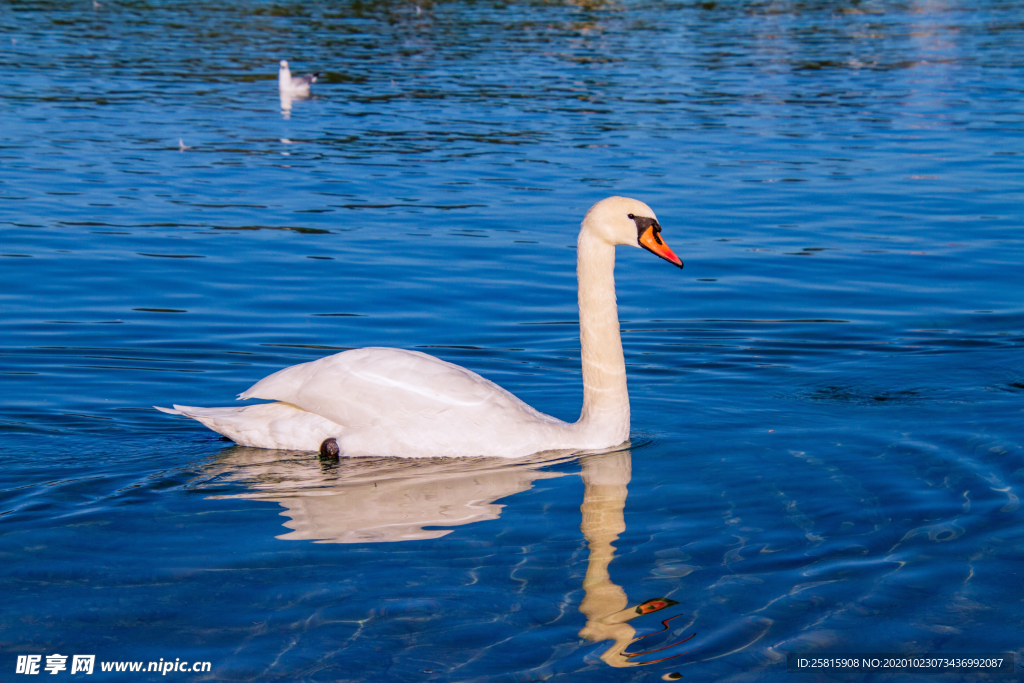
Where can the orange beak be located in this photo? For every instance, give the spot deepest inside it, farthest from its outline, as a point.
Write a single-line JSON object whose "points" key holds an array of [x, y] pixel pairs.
{"points": [[651, 240]]}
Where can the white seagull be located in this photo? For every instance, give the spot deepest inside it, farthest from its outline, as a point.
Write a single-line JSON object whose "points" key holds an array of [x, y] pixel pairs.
{"points": [[294, 85]]}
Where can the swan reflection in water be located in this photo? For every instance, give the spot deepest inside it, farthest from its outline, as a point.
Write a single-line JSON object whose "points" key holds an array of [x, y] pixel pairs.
{"points": [[376, 500], [608, 612]]}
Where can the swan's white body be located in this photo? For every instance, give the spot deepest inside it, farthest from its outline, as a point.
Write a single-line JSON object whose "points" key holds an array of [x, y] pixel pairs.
{"points": [[294, 85], [392, 402]]}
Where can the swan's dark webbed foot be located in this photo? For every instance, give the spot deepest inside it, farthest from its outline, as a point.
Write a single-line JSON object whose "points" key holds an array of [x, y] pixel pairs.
{"points": [[329, 448]]}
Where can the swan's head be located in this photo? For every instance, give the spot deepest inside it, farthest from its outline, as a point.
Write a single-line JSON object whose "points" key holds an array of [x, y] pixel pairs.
{"points": [[621, 220], [284, 64]]}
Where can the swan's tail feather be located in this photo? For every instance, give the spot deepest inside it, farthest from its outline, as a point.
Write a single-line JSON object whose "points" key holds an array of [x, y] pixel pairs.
{"points": [[195, 413], [267, 425], [231, 422]]}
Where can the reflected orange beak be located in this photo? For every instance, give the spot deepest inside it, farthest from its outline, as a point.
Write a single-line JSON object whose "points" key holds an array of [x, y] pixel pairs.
{"points": [[650, 239], [654, 605]]}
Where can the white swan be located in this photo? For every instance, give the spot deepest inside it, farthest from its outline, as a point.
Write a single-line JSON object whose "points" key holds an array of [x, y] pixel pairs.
{"points": [[294, 86], [397, 403]]}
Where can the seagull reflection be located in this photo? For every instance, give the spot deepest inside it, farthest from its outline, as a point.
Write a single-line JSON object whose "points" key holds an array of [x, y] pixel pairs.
{"points": [[376, 500], [605, 481], [286, 103]]}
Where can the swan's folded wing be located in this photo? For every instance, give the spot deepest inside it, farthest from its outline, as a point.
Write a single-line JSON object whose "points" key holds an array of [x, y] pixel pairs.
{"points": [[380, 387]]}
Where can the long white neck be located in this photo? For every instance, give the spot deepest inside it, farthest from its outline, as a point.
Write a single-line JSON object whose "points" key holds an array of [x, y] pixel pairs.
{"points": [[605, 398]]}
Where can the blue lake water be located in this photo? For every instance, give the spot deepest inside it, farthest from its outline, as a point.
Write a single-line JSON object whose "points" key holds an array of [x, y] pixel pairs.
{"points": [[827, 402]]}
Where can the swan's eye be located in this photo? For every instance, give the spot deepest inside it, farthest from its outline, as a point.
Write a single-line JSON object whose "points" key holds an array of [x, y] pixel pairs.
{"points": [[642, 224]]}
